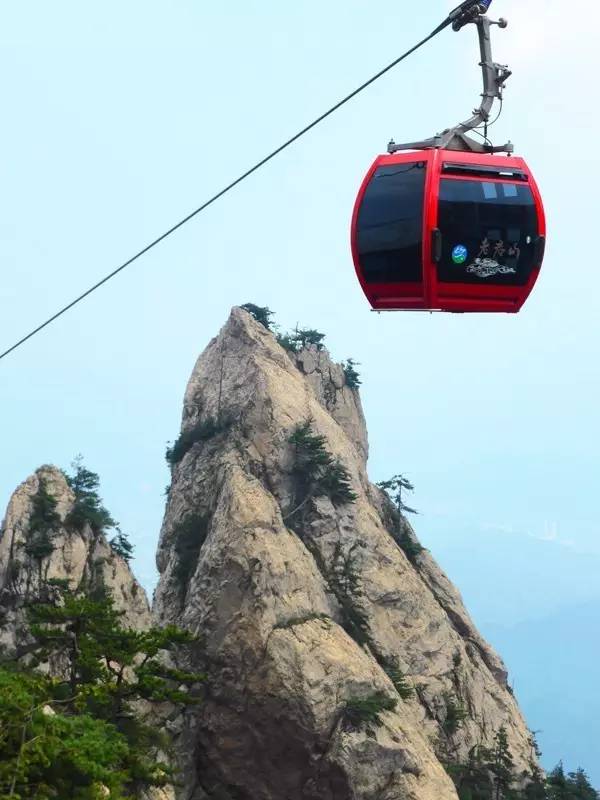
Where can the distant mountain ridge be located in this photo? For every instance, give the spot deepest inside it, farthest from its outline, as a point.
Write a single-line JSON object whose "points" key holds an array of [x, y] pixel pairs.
{"points": [[550, 593]]}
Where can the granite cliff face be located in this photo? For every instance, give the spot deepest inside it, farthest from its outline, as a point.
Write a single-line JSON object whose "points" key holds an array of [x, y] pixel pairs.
{"points": [[304, 613]]}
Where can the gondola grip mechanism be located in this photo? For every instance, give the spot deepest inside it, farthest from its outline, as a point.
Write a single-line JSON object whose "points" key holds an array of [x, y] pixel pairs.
{"points": [[494, 77]]}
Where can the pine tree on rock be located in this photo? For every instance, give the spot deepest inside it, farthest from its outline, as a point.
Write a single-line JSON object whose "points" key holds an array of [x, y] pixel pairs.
{"points": [[121, 545], [106, 669], [88, 507]]}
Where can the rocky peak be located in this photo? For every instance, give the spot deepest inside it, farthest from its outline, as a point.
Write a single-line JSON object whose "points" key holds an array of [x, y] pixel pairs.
{"points": [[341, 663], [36, 546]]}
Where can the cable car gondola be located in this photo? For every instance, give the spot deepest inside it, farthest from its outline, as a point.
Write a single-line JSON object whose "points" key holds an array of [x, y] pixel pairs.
{"points": [[449, 224]]}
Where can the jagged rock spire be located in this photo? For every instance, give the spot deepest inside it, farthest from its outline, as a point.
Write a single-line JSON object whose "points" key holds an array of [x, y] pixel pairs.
{"points": [[307, 615]]}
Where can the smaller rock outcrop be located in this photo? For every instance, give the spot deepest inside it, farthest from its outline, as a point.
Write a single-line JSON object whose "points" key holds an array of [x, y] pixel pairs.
{"points": [[38, 546]]}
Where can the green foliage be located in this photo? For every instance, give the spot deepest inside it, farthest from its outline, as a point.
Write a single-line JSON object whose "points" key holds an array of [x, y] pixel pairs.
{"points": [[398, 527], [489, 774], [190, 535], [392, 669], [68, 737], [121, 545], [109, 668], [558, 788], [261, 314], [316, 471], [311, 453], [345, 583], [409, 545], [287, 341], [344, 577], [100, 651], [335, 483], [87, 508], [472, 779], [455, 715], [536, 789], [301, 338], [580, 784], [394, 488], [500, 763], [201, 432], [309, 336], [574, 786], [361, 711], [353, 380], [44, 522], [47, 753]]}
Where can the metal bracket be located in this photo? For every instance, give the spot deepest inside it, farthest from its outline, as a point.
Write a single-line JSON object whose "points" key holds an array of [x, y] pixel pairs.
{"points": [[494, 77]]}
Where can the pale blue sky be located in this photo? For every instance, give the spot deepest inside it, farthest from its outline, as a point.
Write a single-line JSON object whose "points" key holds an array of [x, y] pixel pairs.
{"points": [[120, 118]]}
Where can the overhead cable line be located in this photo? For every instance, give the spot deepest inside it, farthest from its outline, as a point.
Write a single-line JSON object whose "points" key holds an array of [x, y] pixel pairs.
{"points": [[460, 12]]}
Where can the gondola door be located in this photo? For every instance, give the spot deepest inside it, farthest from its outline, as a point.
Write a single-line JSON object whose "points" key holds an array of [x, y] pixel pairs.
{"points": [[390, 232], [490, 233]]}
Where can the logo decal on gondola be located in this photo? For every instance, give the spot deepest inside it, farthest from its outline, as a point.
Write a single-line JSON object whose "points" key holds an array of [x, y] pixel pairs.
{"points": [[459, 254], [487, 268]]}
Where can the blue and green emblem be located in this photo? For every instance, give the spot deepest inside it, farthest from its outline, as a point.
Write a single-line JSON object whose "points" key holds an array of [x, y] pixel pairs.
{"points": [[459, 254]]}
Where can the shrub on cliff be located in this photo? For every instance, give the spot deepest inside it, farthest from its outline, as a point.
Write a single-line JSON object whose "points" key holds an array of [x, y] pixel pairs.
{"points": [[121, 545], [88, 507], [394, 488], [201, 432], [455, 715], [261, 314], [489, 774], [391, 667], [365, 711], [300, 338], [574, 786], [43, 523], [351, 374], [317, 473]]}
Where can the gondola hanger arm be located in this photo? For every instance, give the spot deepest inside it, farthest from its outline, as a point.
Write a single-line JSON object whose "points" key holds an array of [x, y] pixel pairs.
{"points": [[494, 78]]}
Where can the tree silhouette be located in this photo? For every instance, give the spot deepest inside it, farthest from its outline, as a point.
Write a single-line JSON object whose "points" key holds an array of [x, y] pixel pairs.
{"points": [[394, 488]]}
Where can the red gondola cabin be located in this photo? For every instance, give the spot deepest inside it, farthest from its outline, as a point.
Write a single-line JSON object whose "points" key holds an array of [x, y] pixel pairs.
{"points": [[448, 230]]}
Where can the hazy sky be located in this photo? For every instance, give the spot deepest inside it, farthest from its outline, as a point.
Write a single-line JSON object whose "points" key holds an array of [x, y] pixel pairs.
{"points": [[120, 118]]}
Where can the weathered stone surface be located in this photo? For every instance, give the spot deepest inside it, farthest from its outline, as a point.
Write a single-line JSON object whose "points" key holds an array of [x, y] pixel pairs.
{"points": [[281, 665], [165, 793], [81, 557]]}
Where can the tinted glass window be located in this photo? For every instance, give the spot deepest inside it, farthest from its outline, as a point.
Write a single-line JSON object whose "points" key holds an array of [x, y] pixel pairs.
{"points": [[489, 231], [390, 225]]}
